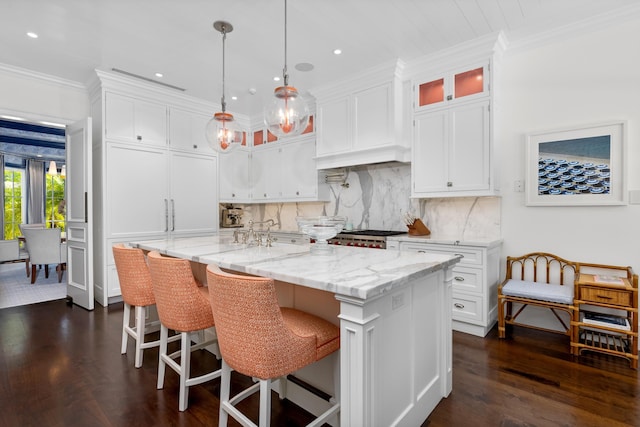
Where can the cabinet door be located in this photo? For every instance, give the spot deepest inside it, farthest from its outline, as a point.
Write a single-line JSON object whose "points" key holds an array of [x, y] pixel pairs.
{"points": [[299, 173], [193, 202], [134, 120], [136, 191], [373, 125], [151, 123], [265, 173], [334, 133], [469, 147], [429, 165], [447, 88], [234, 176], [187, 131]]}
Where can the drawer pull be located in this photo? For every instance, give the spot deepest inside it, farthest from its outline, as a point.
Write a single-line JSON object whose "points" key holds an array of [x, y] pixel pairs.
{"points": [[603, 297], [458, 305], [460, 255], [422, 252], [459, 279]]}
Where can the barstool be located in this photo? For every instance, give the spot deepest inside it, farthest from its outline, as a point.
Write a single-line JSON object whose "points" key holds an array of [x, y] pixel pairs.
{"points": [[260, 339], [184, 307]]}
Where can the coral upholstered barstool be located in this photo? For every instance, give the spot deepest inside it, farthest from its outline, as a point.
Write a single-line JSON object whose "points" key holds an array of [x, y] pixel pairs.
{"points": [[260, 339], [184, 307], [137, 293]]}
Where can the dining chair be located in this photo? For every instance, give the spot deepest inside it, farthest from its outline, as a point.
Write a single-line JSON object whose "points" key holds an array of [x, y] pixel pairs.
{"points": [[24, 251], [45, 248], [260, 339], [184, 307]]}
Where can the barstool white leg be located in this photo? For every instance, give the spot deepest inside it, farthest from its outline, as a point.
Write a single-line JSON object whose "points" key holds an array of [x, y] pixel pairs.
{"points": [[185, 370], [125, 324], [164, 336], [140, 331], [225, 391], [265, 403]]}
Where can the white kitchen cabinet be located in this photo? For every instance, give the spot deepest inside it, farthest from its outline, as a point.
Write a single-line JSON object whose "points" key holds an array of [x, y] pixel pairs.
{"points": [[235, 185], [129, 119], [187, 131], [452, 153], [299, 178], [360, 121], [192, 194], [475, 283], [286, 172], [158, 186], [451, 87]]}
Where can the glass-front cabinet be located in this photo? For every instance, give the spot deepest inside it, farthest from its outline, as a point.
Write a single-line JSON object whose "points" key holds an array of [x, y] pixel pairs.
{"points": [[447, 88]]}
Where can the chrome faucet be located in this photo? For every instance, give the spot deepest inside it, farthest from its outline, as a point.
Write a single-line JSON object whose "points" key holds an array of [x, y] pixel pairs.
{"points": [[251, 236]]}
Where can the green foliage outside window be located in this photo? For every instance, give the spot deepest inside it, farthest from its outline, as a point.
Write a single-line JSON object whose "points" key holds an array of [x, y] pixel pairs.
{"points": [[55, 203], [12, 203]]}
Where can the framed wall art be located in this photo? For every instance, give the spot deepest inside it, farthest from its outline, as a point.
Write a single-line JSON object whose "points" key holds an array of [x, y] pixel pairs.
{"points": [[577, 167]]}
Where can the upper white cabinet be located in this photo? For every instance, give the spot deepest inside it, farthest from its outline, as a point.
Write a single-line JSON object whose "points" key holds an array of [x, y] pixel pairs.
{"points": [[235, 185], [128, 119], [186, 131], [455, 108], [359, 121], [451, 151], [286, 172]]}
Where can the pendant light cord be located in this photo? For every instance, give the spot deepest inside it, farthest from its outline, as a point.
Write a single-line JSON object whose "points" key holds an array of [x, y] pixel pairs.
{"points": [[284, 70], [224, 38]]}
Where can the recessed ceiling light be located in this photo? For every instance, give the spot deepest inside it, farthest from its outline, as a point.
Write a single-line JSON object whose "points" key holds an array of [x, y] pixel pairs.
{"points": [[57, 125], [235, 98], [337, 51], [159, 74], [19, 119], [276, 79], [32, 35]]}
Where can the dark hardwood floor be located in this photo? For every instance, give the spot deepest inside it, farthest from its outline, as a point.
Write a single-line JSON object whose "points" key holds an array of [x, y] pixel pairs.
{"points": [[61, 366]]}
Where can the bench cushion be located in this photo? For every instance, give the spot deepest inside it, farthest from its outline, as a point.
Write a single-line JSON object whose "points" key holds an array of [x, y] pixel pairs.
{"points": [[562, 294]]}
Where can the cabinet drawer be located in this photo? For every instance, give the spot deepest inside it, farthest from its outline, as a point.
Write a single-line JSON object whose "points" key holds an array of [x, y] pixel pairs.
{"points": [[467, 279], [470, 256], [467, 308], [606, 296]]}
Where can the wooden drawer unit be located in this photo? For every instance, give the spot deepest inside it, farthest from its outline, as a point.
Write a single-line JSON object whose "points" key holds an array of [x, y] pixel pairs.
{"points": [[610, 305], [605, 295]]}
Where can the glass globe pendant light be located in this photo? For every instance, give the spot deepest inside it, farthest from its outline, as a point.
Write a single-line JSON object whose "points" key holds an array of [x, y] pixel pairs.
{"points": [[288, 113], [220, 130]]}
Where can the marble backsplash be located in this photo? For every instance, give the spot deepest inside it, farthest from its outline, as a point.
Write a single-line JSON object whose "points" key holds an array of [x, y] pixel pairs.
{"points": [[378, 196]]}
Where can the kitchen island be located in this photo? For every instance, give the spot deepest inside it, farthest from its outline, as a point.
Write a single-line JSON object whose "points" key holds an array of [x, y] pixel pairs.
{"points": [[392, 308]]}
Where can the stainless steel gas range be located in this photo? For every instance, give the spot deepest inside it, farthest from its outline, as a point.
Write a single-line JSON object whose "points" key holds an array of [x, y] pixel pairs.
{"points": [[364, 238]]}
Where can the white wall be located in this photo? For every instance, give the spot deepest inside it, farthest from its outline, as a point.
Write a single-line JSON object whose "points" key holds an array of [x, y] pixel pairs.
{"points": [[585, 79]]}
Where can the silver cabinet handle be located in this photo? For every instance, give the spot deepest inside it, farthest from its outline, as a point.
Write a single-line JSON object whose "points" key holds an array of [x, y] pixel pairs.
{"points": [[166, 215], [459, 255], [458, 305], [173, 215], [459, 279]]}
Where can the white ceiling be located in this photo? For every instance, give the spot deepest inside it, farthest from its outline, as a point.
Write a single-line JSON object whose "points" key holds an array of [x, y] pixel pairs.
{"points": [[177, 37]]}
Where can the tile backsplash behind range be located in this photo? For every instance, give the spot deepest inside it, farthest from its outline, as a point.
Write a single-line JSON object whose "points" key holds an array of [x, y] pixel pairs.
{"points": [[377, 197]]}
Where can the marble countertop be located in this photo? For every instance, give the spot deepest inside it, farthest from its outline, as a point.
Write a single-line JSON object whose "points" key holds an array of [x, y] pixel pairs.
{"points": [[356, 272], [487, 242]]}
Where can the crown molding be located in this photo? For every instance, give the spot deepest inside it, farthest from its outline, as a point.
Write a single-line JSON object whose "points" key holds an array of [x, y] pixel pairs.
{"points": [[586, 26], [11, 70]]}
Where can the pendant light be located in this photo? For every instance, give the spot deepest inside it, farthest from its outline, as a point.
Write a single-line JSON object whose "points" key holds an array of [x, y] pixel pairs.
{"points": [[220, 131], [288, 113], [53, 170]]}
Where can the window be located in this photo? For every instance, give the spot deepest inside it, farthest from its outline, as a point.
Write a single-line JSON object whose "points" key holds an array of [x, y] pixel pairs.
{"points": [[54, 201], [13, 201]]}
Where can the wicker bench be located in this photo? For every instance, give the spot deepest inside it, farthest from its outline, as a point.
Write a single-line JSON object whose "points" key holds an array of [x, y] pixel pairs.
{"points": [[537, 279]]}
